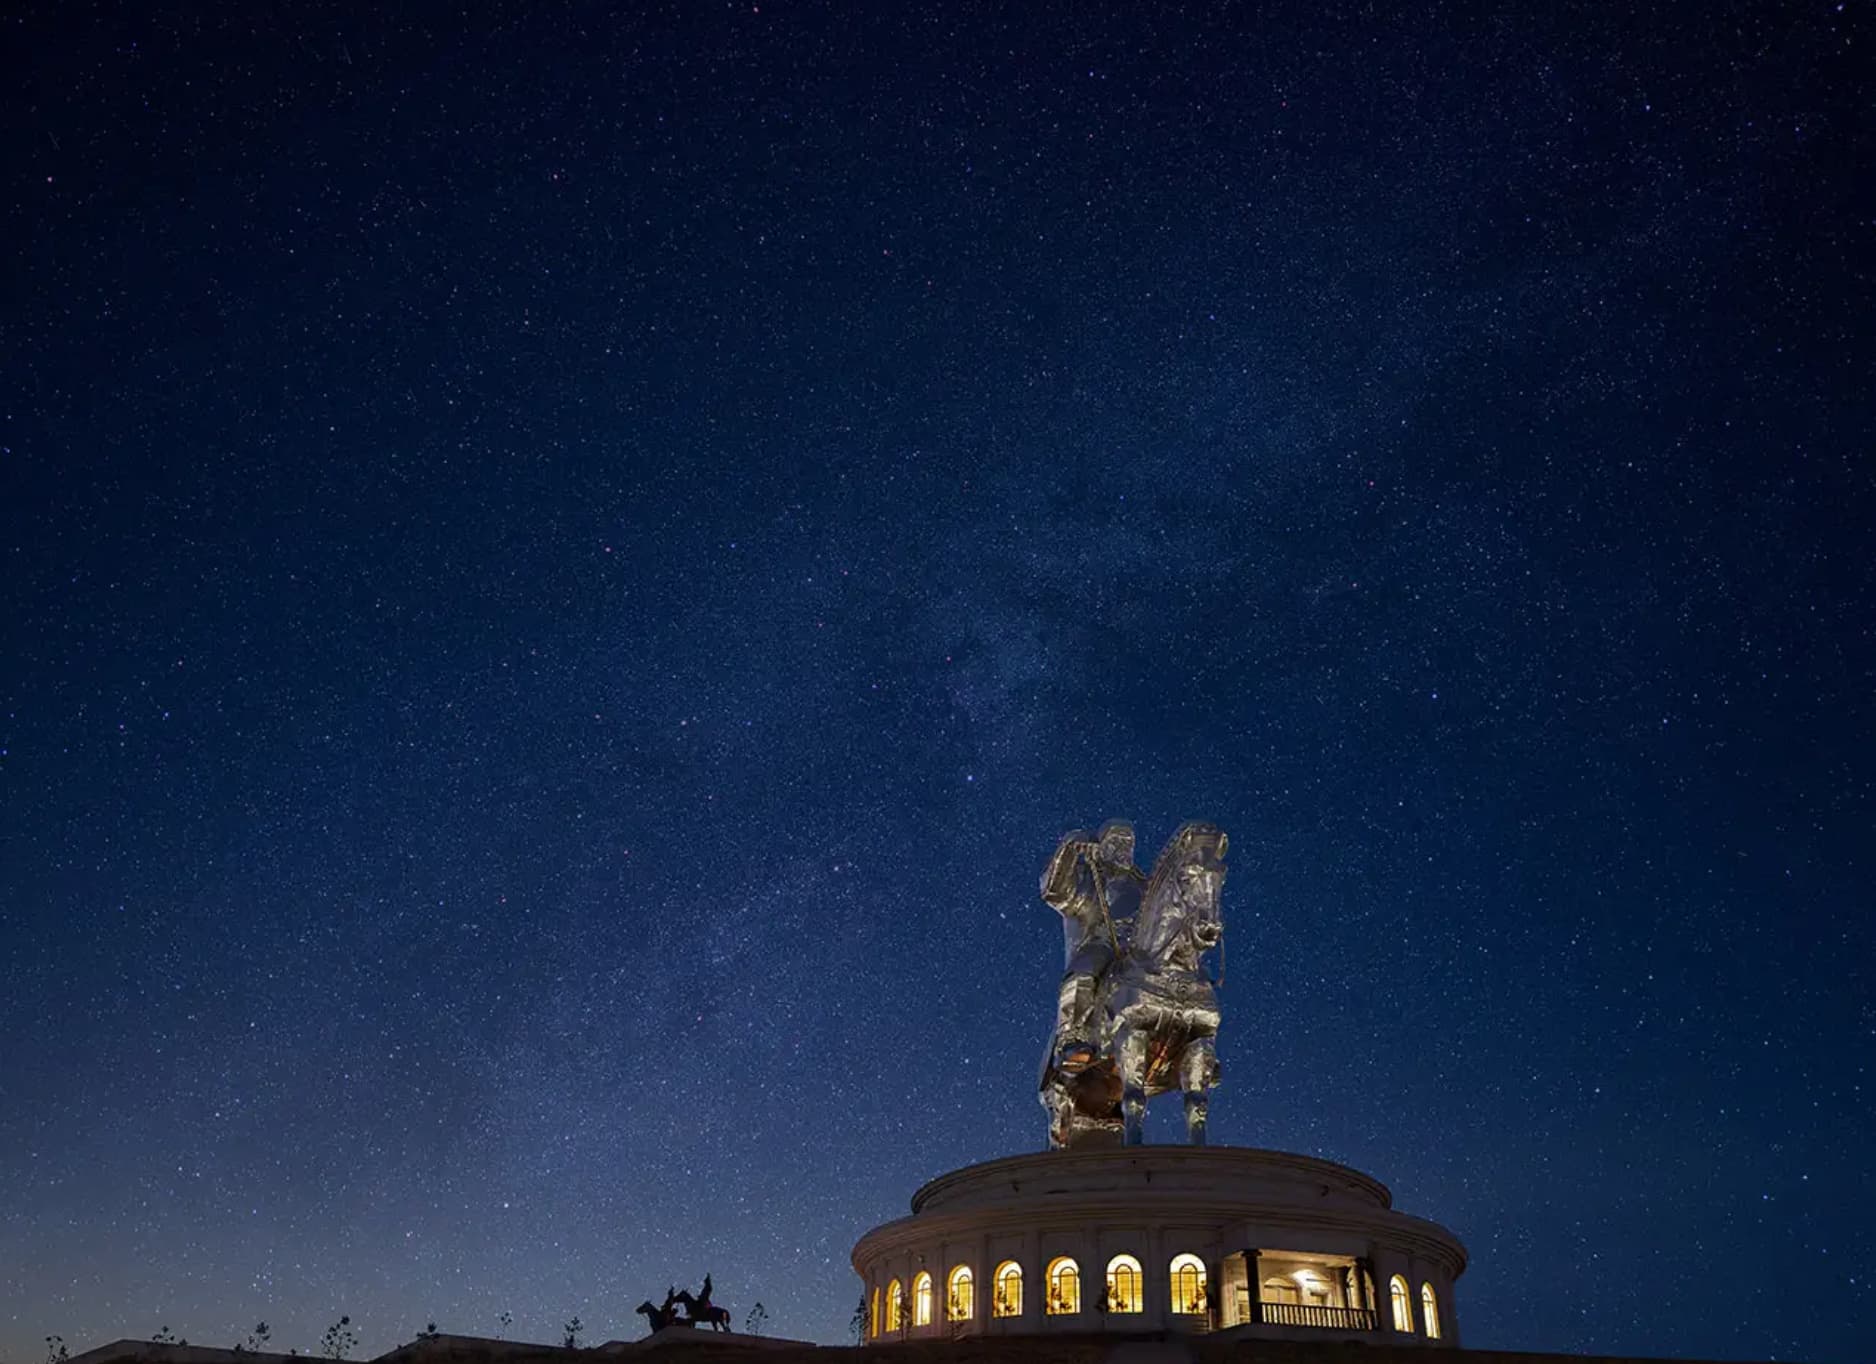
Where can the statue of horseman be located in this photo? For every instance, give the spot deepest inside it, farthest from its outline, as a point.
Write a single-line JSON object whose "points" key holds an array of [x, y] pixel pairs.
{"points": [[1137, 1014]]}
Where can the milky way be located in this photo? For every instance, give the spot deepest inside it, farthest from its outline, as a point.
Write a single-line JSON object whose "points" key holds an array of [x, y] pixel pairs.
{"points": [[564, 572]]}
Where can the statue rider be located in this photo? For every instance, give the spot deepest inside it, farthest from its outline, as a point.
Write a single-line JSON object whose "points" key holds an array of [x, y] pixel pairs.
{"points": [[1095, 887]]}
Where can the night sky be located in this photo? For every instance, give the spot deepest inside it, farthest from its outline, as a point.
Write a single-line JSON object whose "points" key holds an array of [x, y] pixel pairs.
{"points": [[564, 571]]}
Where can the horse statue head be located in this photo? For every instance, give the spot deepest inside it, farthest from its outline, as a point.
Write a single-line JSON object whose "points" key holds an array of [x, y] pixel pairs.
{"points": [[1179, 917]]}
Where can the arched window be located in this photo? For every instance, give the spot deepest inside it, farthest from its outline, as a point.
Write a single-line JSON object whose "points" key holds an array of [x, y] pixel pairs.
{"points": [[1188, 1285], [921, 1299], [1064, 1287], [1008, 1301], [960, 1297], [874, 1331], [895, 1305], [1430, 1311], [1403, 1309], [1123, 1285]]}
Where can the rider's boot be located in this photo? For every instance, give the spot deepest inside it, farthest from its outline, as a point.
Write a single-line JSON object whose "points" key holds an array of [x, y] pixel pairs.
{"points": [[1196, 1106], [1130, 1054], [1133, 1109]]}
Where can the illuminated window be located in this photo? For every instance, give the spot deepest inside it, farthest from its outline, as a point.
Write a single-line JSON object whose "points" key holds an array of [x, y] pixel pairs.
{"points": [[1403, 1310], [1064, 1287], [874, 1332], [1188, 1285], [960, 1300], [1281, 1288], [921, 1299], [895, 1305], [1123, 1284], [1430, 1311], [1008, 1301]]}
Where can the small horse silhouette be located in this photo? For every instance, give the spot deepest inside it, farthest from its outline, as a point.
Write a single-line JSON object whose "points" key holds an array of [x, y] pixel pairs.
{"points": [[657, 1318], [704, 1312], [654, 1319]]}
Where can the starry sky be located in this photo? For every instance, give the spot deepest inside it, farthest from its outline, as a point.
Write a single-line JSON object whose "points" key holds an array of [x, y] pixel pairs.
{"points": [[565, 566]]}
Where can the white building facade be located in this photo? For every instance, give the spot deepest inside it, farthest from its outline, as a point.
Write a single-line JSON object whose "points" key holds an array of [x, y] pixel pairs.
{"points": [[1145, 1239]]}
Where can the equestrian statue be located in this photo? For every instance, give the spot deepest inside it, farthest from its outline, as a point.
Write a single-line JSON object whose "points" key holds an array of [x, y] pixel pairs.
{"points": [[703, 1312], [698, 1310], [657, 1318], [1137, 1014]]}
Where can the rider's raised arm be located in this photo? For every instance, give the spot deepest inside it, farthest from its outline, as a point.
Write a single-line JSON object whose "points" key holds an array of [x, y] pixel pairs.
{"points": [[1058, 878]]}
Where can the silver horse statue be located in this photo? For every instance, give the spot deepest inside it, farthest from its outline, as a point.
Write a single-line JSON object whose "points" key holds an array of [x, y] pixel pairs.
{"points": [[1138, 1015]]}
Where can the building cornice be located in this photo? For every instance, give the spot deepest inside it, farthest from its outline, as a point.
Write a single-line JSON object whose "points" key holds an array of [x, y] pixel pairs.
{"points": [[1216, 1164]]}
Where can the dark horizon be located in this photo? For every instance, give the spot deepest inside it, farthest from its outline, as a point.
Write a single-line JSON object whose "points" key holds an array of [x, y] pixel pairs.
{"points": [[564, 572]]}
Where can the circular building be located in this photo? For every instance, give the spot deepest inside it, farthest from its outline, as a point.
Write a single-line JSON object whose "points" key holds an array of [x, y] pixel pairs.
{"points": [[1142, 1239]]}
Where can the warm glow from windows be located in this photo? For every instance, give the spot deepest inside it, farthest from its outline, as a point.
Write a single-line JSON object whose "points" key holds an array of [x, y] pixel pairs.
{"points": [[1403, 1309], [921, 1299], [1123, 1284], [874, 1332], [1008, 1301], [959, 1299], [1064, 1287], [1188, 1285], [895, 1305], [1430, 1311]]}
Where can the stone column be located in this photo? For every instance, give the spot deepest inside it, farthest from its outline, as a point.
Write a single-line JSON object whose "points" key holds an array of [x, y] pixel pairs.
{"points": [[986, 1290], [1155, 1282], [1030, 1258]]}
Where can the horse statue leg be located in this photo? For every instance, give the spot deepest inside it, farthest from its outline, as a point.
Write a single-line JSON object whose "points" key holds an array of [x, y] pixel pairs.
{"points": [[1198, 1072], [1130, 1057], [1054, 1098]]}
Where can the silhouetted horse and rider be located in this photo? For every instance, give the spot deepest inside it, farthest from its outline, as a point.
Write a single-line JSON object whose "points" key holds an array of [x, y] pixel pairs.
{"points": [[698, 1310]]}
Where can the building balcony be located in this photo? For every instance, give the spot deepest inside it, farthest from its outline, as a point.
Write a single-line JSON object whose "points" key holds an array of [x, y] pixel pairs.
{"points": [[1315, 1314]]}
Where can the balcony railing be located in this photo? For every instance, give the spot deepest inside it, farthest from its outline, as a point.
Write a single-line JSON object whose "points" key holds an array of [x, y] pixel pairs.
{"points": [[1313, 1314]]}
